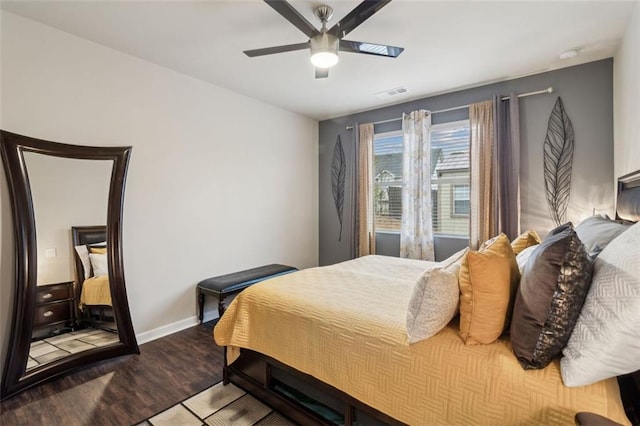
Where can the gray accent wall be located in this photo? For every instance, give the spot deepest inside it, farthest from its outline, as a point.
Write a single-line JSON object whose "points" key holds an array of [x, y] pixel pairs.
{"points": [[587, 93]]}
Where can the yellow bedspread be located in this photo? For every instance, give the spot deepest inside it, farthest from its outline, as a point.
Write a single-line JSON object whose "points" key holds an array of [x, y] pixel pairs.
{"points": [[345, 325], [95, 291]]}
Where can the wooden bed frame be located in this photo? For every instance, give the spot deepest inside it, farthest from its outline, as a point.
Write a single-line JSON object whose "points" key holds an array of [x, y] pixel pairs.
{"points": [[260, 375], [82, 235]]}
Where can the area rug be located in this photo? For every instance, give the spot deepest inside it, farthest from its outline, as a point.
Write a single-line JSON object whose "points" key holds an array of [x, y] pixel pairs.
{"points": [[219, 405]]}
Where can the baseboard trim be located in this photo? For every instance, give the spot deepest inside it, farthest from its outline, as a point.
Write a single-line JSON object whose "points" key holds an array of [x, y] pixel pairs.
{"points": [[174, 327], [165, 330]]}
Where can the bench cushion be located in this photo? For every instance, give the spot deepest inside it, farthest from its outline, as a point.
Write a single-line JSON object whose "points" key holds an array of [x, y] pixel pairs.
{"points": [[237, 281]]}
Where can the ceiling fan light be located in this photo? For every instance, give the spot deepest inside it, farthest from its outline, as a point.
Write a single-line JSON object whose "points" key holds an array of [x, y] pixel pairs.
{"points": [[324, 59], [324, 50]]}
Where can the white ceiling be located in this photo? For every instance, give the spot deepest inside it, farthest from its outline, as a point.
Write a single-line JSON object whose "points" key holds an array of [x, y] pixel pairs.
{"points": [[448, 44]]}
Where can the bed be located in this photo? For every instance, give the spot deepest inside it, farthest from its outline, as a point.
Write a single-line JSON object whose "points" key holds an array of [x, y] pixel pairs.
{"points": [[305, 331], [93, 292]]}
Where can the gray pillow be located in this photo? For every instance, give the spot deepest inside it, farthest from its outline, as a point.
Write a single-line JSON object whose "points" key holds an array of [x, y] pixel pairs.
{"points": [[596, 232], [554, 285], [523, 257]]}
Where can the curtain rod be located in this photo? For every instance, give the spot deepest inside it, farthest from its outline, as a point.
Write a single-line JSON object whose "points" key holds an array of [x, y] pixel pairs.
{"points": [[504, 98]]}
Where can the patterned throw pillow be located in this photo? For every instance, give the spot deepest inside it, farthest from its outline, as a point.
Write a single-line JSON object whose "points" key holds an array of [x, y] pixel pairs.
{"points": [[606, 339], [433, 304], [99, 264], [553, 288]]}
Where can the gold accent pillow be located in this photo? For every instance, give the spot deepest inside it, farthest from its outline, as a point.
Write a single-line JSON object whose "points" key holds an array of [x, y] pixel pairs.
{"points": [[98, 250], [527, 239], [485, 286], [514, 278]]}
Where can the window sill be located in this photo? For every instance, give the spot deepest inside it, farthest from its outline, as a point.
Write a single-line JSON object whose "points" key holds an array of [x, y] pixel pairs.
{"points": [[452, 236], [436, 235]]}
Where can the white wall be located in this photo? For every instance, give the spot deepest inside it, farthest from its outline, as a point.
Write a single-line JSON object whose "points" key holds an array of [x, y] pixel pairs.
{"points": [[217, 181], [626, 99], [65, 192]]}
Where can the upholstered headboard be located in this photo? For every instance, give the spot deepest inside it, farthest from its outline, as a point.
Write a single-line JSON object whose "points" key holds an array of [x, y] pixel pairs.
{"points": [[628, 201]]}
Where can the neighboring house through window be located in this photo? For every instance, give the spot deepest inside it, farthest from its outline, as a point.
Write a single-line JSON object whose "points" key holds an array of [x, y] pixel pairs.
{"points": [[449, 179], [461, 200], [387, 181]]}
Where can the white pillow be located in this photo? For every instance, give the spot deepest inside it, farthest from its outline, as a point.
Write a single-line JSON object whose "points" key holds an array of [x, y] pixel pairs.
{"points": [[99, 264], [434, 302], [605, 341], [83, 254]]}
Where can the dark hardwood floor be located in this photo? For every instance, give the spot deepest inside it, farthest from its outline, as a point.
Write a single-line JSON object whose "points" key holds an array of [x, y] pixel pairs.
{"points": [[126, 390]]}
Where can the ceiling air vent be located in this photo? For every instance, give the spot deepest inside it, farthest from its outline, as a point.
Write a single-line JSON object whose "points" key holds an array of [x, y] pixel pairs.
{"points": [[392, 92]]}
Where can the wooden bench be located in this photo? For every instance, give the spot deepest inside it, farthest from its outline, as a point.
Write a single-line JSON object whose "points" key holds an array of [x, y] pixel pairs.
{"points": [[229, 284]]}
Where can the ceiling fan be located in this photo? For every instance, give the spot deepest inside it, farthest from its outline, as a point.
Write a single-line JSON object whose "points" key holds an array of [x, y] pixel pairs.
{"points": [[324, 44]]}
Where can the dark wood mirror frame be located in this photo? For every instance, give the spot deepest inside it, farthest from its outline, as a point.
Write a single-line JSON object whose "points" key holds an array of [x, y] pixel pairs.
{"points": [[15, 378]]}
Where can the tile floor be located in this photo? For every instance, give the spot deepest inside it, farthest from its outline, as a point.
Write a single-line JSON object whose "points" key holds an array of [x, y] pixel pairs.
{"points": [[219, 406], [52, 348]]}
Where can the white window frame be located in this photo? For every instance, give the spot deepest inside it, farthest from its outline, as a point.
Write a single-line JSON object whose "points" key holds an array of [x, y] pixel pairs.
{"points": [[398, 133], [454, 199]]}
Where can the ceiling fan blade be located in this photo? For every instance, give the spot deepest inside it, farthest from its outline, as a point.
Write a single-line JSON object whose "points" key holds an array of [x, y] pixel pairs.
{"points": [[357, 16], [322, 72], [276, 49], [290, 14], [370, 48]]}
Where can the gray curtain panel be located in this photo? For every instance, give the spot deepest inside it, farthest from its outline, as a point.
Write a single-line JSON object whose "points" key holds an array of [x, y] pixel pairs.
{"points": [[506, 173]]}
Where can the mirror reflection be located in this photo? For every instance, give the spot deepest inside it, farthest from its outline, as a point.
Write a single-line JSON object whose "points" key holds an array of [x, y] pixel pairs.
{"points": [[73, 300]]}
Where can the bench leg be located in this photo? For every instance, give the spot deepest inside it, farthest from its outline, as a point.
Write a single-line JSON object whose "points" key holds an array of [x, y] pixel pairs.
{"points": [[201, 305], [220, 306]]}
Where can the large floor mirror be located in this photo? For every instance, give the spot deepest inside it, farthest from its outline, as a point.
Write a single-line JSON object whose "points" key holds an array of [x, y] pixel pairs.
{"points": [[70, 300]]}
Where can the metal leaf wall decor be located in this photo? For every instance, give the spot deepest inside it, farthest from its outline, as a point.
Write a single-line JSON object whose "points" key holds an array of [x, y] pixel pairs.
{"points": [[338, 176], [558, 162]]}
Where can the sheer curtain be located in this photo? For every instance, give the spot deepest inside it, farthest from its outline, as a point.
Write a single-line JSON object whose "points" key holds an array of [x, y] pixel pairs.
{"points": [[366, 227], [482, 222], [416, 233], [495, 169]]}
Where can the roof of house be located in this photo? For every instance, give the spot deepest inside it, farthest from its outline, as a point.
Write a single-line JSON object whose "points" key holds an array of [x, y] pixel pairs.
{"points": [[454, 161], [440, 162], [392, 163]]}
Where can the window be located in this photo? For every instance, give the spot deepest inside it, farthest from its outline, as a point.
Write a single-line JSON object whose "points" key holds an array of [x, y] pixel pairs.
{"points": [[461, 200], [387, 181], [449, 179]]}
